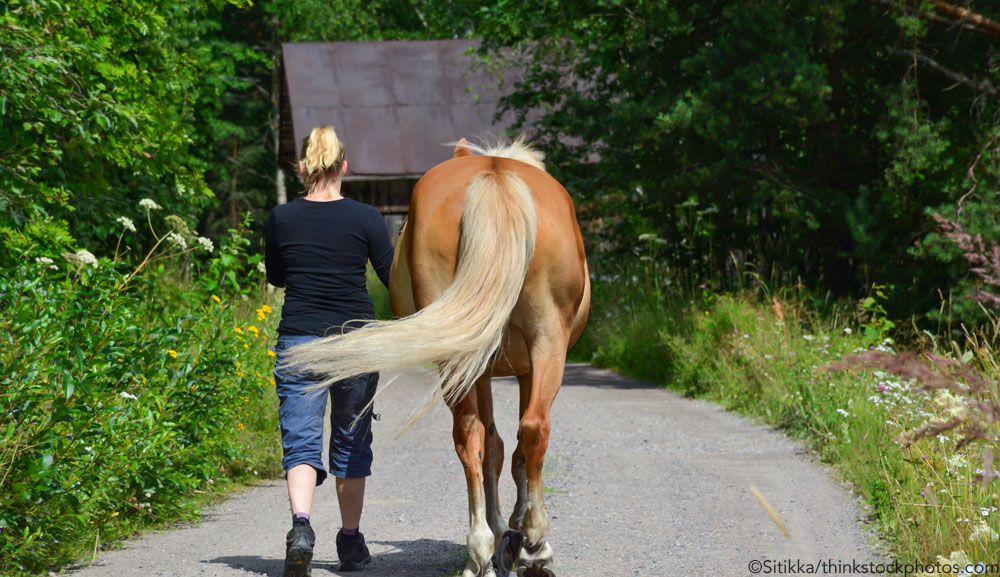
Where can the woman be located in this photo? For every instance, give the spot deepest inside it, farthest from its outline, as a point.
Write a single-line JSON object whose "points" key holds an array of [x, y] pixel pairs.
{"points": [[317, 248]]}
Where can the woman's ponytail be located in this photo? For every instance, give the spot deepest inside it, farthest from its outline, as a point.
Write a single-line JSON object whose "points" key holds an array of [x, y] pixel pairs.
{"points": [[323, 155]]}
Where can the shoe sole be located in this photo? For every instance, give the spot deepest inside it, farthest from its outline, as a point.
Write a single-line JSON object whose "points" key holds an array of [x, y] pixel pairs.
{"points": [[355, 565], [297, 563]]}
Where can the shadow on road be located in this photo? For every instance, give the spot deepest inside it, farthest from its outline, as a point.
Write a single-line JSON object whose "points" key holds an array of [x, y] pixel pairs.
{"points": [[582, 374], [419, 558]]}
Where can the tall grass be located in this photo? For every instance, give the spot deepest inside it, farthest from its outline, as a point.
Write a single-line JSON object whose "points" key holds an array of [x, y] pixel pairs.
{"points": [[770, 358]]}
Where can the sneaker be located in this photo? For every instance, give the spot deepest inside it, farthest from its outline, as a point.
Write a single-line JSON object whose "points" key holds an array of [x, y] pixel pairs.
{"points": [[299, 551], [352, 551]]}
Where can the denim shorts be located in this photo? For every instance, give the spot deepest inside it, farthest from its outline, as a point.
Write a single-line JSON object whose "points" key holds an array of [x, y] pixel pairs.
{"points": [[301, 415]]}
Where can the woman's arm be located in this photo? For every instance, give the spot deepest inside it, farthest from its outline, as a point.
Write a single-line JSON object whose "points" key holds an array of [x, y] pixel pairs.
{"points": [[272, 256], [380, 249]]}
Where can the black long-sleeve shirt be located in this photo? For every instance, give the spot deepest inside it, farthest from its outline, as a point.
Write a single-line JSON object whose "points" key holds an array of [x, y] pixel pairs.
{"points": [[318, 251]]}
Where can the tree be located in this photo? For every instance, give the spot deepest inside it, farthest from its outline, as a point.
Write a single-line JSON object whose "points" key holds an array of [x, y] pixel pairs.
{"points": [[787, 136]]}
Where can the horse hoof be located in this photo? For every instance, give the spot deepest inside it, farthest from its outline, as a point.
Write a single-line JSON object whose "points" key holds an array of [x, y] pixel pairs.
{"points": [[535, 561], [535, 572], [507, 551], [481, 571]]}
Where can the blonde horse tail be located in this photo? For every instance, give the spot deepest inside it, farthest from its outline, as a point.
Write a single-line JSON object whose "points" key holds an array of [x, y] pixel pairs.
{"points": [[464, 327]]}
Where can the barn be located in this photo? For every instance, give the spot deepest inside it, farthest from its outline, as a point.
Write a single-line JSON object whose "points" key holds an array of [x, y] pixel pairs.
{"points": [[393, 104]]}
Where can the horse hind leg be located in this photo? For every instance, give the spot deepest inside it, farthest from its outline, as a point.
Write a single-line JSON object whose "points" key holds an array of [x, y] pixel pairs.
{"points": [[508, 542], [470, 437], [517, 465], [547, 366], [492, 458]]}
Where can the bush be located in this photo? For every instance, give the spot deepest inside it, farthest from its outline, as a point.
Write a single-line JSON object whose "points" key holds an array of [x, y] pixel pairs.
{"points": [[124, 392]]}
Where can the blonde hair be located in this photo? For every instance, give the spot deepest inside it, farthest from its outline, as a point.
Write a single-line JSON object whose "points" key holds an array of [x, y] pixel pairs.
{"points": [[323, 155]]}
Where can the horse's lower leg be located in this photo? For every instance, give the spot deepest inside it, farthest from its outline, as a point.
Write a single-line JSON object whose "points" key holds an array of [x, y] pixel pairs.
{"points": [[492, 459], [517, 468], [535, 557], [469, 435]]}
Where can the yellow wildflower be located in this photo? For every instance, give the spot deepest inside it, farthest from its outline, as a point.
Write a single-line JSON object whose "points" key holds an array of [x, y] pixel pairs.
{"points": [[239, 365], [270, 353], [260, 315], [271, 381], [172, 353], [266, 309], [246, 346], [238, 330], [240, 426], [217, 299], [253, 330]]}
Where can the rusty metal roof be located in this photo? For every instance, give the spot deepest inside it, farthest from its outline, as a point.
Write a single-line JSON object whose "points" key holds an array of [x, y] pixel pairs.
{"points": [[392, 103]]}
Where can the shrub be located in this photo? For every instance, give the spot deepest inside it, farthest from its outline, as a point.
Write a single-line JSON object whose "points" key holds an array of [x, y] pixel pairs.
{"points": [[122, 392]]}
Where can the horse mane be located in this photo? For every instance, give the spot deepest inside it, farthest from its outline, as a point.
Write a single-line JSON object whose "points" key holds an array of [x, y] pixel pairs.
{"points": [[519, 149]]}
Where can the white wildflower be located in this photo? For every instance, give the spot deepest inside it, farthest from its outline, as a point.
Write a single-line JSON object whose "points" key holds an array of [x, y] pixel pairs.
{"points": [[126, 222], [125, 395], [809, 337], [261, 267], [177, 240], [843, 412], [84, 256], [44, 260], [984, 532], [148, 204], [206, 243], [957, 462], [953, 406]]}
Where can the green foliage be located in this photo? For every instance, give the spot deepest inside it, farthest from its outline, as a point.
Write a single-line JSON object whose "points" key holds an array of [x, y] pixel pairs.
{"points": [[876, 326], [123, 393], [351, 20], [96, 109], [803, 139]]}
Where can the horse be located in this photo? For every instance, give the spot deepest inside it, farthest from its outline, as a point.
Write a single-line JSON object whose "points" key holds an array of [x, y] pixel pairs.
{"points": [[489, 279]]}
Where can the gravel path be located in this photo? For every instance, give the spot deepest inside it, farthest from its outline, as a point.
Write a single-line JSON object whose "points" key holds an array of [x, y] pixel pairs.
{"points": [[642, 482]]}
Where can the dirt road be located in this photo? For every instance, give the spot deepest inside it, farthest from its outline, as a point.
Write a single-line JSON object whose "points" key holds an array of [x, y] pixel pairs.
{"points": [[642, 482]]}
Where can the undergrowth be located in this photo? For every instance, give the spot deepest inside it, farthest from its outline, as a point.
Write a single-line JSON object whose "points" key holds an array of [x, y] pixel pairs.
{"points": [[770, 357], [128, 388]]}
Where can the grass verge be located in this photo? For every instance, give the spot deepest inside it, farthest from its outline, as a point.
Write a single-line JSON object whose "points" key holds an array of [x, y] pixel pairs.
{"points": [[771, 360]]}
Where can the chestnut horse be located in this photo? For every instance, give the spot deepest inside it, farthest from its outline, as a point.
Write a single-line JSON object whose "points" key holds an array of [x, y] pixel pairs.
{"points": [[491, 279]]}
